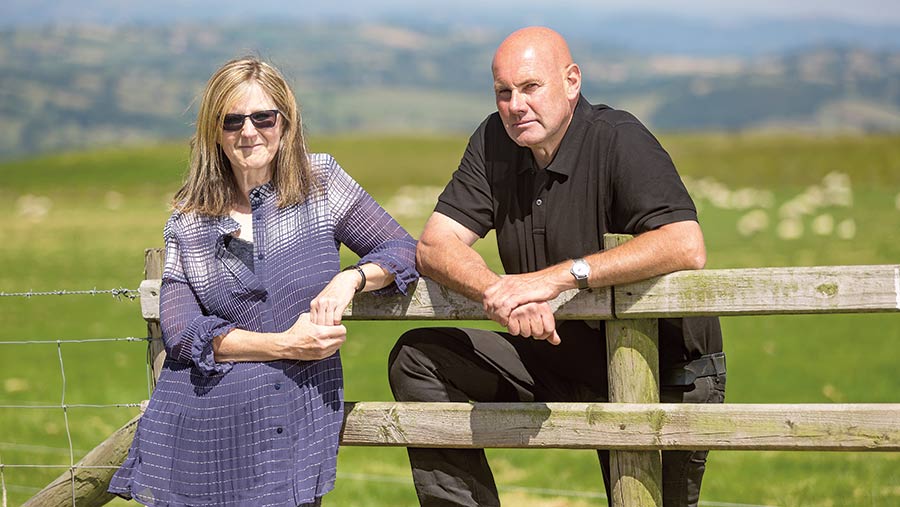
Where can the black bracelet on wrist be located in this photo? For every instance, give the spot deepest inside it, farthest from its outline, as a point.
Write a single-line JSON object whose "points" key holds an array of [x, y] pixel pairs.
{"points": [[362, 275]]}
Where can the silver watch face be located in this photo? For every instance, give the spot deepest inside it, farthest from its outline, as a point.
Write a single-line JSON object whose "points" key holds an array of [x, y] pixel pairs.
{"points": [[580, 268]]}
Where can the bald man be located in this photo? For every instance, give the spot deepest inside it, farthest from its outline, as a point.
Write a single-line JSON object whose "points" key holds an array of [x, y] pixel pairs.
{"points": [[551, 174]]}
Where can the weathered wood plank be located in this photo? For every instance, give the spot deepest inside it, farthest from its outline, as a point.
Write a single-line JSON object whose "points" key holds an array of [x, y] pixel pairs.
{"points": [[430, 301], [756, 291], [89, 483], [625, 426]]}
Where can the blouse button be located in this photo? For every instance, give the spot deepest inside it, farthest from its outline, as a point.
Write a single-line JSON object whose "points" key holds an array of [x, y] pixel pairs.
{"points": [[277, 386], [279, 431], [260, 256]]}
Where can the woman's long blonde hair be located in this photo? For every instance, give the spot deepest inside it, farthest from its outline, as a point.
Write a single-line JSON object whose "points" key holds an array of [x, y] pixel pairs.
{"points": [[210, 187]]}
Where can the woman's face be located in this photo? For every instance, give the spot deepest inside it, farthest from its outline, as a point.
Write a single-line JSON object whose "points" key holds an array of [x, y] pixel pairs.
{"points": [[252, 148]]}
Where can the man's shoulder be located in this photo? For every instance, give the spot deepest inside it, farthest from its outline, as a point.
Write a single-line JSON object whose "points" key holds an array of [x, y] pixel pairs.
{"points": [[604, 116]]}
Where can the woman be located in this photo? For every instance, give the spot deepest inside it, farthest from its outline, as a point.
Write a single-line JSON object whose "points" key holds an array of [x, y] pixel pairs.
{"points": [[248, 407]]}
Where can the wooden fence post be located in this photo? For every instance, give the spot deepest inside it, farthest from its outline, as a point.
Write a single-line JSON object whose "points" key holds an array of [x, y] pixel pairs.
{"points": [[632, 351], [154, 259]]}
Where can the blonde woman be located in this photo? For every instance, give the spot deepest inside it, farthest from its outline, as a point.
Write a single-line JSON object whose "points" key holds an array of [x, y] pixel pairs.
{"points": [[248, 408]]}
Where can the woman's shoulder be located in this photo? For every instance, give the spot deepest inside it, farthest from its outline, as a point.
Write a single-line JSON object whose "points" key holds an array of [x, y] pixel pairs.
{"points": [[325, 169], [322, 162], [181, 222]]}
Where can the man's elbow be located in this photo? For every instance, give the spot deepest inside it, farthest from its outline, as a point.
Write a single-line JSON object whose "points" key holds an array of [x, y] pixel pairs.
{"points": [[695, 258], [694, 251], [691, 251], [424, 252]]}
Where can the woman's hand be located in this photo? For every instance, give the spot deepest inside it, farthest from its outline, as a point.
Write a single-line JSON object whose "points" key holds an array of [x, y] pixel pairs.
{"points": [[309, 341], [327, 308]]}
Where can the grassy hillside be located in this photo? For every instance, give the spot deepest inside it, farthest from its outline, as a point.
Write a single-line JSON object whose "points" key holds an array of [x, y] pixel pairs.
{"points": [[82, 220], [73, 86]]}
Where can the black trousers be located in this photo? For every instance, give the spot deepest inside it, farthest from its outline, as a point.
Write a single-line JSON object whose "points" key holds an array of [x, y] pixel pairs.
{"points": [[461, 365]]}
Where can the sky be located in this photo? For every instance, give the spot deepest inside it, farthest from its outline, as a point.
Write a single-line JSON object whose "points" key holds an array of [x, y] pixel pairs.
{"points": [[865, 11], [31, 11]]}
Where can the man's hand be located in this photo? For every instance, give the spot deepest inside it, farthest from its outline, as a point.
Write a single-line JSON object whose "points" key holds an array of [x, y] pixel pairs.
{"points": [[512, 291], [534, 320]]}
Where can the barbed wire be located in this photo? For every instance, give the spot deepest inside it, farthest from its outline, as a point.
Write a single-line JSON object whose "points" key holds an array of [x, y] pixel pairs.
{"points": [[83, 340], [117, 293], [65, 406]]}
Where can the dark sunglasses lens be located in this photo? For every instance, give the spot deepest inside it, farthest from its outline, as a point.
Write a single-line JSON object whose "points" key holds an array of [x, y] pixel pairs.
{"points": [[233, 122], [264, 119]]}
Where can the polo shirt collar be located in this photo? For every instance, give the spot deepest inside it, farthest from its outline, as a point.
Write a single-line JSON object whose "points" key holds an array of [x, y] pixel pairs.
{"points": [[567, 154]]}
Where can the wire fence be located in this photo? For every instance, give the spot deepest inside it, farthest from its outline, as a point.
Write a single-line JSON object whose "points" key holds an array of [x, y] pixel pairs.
{"points": [[116, 293], [120, 294]]}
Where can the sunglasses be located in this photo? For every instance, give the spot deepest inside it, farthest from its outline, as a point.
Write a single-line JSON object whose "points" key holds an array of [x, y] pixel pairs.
{"points": [[260, 120]]}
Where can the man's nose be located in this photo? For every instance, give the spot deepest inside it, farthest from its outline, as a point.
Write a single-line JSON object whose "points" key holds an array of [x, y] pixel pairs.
{"points": [[517, 103]]}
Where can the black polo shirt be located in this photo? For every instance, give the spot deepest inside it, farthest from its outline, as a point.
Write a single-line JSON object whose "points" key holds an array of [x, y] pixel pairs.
{"points": [[610, 174]]}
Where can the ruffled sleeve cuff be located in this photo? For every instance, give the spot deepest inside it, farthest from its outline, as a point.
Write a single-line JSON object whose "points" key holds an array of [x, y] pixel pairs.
{"points": [[397, 257], [202, 330]]}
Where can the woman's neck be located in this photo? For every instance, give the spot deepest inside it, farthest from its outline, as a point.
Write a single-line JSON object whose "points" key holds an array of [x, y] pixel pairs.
{"points": [[247, 180]]}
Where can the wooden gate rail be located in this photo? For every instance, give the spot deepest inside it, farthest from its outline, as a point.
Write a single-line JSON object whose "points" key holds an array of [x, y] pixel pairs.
{"points": [[634, 426], [625, 426], [722, 292]]}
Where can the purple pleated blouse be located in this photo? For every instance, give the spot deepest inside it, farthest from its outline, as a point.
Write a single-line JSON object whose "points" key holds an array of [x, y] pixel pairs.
{"points": [[254, 433]]}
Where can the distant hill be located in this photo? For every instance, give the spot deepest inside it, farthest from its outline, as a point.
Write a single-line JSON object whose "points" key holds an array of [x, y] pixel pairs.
{"points": [[70, 86]]}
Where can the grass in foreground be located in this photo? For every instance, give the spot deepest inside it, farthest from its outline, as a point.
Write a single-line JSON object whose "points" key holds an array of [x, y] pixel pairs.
{"points": [[78, 221]]}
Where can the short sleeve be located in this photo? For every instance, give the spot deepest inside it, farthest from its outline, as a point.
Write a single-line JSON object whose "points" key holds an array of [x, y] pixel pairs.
{"points": [[647, 191], [467, 197]]}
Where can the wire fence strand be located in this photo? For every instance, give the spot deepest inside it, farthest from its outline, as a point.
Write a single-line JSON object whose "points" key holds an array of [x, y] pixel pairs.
{"points": [[2, 484], [62, 371], [85, 340], [117, 293]]}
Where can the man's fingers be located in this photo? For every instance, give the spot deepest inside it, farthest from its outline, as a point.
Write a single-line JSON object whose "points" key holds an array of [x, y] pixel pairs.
{"points": [[513, 326], [554, 338], [549, 322]]}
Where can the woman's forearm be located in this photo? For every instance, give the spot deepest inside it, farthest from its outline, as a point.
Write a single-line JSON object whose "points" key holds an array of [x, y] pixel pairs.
{"points": [[376, 277], [240, 345]]}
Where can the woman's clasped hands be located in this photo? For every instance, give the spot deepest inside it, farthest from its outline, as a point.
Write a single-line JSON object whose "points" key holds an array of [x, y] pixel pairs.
{"points": [[319, 333]]}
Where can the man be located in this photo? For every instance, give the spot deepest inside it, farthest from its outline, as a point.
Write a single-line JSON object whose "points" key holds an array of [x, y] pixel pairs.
{"points": [[551, 174]]}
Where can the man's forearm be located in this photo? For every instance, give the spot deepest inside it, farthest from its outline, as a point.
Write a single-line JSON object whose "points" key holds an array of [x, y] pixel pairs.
{"points": [[457, 266], [674, 247]]}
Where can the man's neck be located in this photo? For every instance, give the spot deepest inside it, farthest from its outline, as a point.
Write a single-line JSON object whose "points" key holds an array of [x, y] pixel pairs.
{"points": [[544, 154]]}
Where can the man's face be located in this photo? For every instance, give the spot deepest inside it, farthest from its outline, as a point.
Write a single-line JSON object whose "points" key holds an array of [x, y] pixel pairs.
{"points": [[532, 96]]}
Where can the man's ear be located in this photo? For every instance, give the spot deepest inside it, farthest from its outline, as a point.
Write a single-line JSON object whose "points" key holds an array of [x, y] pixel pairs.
{"points": [[573, 81]]}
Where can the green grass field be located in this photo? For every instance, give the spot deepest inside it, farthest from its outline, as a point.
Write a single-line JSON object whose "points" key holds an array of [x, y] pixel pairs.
{"points": [[81, 220]]}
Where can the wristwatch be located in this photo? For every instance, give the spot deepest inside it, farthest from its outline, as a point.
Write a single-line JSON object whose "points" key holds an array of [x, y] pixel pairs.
{"points": [[581, 270]]}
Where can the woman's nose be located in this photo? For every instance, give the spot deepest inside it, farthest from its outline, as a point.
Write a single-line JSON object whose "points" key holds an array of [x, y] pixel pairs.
{"points": [[248, 129]]}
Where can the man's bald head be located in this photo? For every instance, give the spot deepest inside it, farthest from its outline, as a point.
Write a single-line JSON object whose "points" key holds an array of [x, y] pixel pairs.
{"points": [[536, 87], [536, 42]]}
